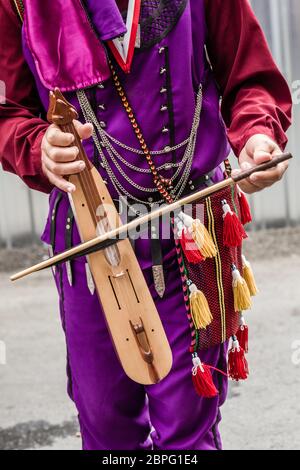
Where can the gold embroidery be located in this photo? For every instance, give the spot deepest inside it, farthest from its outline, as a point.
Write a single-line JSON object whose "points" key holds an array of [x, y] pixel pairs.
{"points": [[218, 264]]}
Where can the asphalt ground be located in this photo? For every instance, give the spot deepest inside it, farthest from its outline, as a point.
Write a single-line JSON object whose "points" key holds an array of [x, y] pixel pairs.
{"points": [[261, 413]]}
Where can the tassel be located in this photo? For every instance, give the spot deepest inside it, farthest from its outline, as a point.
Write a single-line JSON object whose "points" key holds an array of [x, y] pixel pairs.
{"points": [[203, 239], [202, 379], [242, 334], [237, 363], [200, 310], [249, 276], [246, 216], [188, 245], [199, 234], [241, 294], [233, 230]]}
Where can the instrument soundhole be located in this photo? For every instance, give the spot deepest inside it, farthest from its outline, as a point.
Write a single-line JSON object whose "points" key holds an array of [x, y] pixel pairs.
{"points": [[133, 288], [114, 292]]}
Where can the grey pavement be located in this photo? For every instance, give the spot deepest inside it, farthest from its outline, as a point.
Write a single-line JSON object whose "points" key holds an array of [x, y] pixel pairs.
{"points": [[261, 413]]}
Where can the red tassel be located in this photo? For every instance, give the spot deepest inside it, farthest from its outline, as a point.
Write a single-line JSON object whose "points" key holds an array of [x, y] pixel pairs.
{"points": [[233, 230], [243, 334], [202, 379], [246, 216], [189, 247], [237, 363]]}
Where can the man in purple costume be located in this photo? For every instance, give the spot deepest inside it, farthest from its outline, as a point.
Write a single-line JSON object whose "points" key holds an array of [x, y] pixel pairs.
{"points": [[62, 43]]}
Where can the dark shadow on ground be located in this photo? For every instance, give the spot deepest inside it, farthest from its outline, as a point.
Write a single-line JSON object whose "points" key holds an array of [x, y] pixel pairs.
{"points": [[35, 434]]}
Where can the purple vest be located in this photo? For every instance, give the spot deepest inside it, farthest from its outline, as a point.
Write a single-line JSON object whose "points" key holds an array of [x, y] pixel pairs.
{"points": [[161, 87]]}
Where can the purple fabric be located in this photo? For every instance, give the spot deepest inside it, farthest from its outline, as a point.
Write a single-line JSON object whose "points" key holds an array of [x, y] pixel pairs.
{"points": [[117, 413], [113, 411], [65, 49], [106, 18]]}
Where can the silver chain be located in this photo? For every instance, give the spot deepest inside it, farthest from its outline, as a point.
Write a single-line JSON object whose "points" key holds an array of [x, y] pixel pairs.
{"points": [[187, 158], [140, 152]]}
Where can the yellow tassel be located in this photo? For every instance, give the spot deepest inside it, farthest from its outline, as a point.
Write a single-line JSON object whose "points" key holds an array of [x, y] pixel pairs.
{"points": [[199, 233], [249, 277], [200, 310], [241, 293], [203, 239]]}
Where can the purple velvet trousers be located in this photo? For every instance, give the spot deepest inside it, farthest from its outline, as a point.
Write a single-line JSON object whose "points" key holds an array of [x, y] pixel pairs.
{"points": [[116, 413]]}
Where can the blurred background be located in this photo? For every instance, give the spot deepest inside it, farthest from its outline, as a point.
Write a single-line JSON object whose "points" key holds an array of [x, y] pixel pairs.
{"points": [[261, 414]]}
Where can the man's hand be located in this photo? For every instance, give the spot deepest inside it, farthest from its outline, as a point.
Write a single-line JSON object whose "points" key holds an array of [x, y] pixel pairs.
{"points": [[259, 149], [58, 154]]}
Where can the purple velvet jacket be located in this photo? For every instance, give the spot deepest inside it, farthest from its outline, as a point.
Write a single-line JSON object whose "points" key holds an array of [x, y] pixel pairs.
{"points": [[72, 57]]}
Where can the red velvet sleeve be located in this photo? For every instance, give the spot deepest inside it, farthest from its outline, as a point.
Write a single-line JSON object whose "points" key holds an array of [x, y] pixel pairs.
{"points": [[256, 97], [21, 129]]}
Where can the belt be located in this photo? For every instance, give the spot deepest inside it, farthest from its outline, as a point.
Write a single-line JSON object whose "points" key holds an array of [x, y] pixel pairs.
{"points": [[156, 251]]}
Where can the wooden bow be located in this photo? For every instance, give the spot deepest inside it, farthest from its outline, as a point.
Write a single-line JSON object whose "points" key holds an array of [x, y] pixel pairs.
{"points": [[122, 231], [130, 312]]}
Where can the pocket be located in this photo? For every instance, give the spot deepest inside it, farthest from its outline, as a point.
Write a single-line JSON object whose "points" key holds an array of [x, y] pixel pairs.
{"points": [[214, 275]]}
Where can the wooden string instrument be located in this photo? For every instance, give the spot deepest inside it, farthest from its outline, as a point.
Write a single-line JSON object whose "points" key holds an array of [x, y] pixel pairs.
{"points": [[132, 318]]}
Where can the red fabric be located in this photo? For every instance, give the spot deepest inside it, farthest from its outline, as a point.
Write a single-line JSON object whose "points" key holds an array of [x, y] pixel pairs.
{"points": [[21, 130], [256, 98]]}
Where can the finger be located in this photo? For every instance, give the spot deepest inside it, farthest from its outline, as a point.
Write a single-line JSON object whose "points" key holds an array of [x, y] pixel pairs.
{"points": [[61, 154], [85, 131], [55, 136], [63, 169], [246, 185], [270, 176], [261, 156], [61, 183]]}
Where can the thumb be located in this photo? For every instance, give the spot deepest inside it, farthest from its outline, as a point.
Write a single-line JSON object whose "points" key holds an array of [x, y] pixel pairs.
{"points": [[262, 151], [243, 166], [85, 131]]}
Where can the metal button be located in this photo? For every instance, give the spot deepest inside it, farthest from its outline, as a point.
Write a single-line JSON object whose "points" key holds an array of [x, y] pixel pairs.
{"points": [[68, 227], [192, 187], [163, 90], [163, 70], [165, 130], [163, 107], [100, 85], [102, 107], [161, 49], [206, 177], [102, 124]]}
